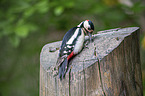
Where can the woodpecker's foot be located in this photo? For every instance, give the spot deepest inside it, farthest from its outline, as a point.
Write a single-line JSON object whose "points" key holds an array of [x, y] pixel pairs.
{"points": [[92, 40]]}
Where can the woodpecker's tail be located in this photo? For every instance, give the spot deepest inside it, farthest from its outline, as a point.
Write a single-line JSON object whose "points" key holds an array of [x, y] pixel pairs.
{"points": [[63, 69]]}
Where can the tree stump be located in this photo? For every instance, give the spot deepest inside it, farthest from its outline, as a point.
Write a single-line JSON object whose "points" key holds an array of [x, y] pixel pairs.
{"points": [[110, 66]]}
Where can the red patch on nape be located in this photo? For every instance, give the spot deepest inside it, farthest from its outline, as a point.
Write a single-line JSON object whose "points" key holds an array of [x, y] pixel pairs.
{"points": [[70, 55], [87, 20]]}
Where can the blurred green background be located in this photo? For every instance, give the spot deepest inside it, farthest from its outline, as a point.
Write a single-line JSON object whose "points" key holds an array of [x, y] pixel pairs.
{"points": [[27, 25]]}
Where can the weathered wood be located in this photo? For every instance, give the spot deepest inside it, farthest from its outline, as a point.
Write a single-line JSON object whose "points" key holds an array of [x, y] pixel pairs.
{"points": [[110, 66]]}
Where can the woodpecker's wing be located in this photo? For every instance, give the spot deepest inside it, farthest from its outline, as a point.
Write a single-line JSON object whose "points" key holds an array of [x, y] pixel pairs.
{"points": [[65, 48]]}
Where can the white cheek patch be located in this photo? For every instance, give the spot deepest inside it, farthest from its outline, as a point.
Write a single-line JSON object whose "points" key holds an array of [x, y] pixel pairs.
{"points": [[86, 24]]}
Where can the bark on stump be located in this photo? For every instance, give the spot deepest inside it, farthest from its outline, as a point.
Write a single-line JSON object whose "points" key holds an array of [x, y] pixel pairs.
{"points": [[110, 66]]}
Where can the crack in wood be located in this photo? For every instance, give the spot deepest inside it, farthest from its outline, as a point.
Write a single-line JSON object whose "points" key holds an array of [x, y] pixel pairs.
{"points": [[84, 81], [101, 78], [69, 82], [56, 86], [53, 49]]}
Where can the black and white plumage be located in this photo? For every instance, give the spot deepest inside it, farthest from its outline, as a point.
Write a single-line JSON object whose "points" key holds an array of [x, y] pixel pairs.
{"points": [[72, 44]]}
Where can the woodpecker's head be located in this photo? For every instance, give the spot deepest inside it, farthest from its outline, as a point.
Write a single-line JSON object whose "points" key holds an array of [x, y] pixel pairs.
{"points": [[88, 27]]}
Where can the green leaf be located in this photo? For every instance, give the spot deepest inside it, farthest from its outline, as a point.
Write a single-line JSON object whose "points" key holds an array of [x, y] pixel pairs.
{"points": [[69, 4], [19, 6], [58, 10], [42, 6], [22, 31], [29, 12]]}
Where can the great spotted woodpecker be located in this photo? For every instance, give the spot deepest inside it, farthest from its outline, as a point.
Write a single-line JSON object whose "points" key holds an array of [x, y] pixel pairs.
{"points": [[72, 44]]}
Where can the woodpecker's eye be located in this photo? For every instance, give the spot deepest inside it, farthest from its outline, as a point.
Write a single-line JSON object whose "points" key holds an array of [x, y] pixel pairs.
{"points": [[89, 29]]}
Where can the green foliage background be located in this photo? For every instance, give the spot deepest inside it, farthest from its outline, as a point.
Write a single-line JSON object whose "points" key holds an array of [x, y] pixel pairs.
{"points": [[27, 25]]}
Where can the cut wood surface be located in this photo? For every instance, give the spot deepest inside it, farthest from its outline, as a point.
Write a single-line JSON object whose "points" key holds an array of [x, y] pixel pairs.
{"points": [[109, 66]]}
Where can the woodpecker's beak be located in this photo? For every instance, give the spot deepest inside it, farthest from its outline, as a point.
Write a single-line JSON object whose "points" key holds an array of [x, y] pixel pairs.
{"points": [[90, 36]]}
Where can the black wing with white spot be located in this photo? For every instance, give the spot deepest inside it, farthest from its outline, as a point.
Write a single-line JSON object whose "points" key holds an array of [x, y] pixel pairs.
{"points": [[66, 49]]}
